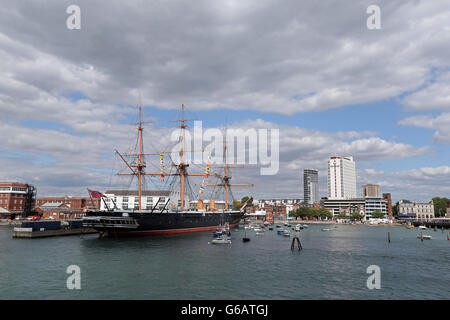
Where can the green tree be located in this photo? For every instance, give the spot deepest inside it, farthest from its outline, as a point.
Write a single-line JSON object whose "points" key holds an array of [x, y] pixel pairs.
{"points": [[237, 205], [377, 214], [395, 210], [440, 206], [304, 212], [357, 216], [324, 213], [294, 213], [342, 215], [249, 203]]}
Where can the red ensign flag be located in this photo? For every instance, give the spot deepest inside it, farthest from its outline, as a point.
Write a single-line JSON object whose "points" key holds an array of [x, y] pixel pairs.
{"points": [[96, 194]]}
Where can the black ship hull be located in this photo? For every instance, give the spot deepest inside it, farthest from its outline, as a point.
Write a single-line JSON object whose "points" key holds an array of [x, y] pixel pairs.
{"points": [[126, 223]]}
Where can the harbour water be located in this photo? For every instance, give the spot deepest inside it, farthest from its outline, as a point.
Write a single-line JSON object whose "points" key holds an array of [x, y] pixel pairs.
{"points": [[332, 265]]}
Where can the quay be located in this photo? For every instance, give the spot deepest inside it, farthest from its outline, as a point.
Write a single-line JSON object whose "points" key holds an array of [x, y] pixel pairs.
{"points": [[29, 233], [438, 223]]}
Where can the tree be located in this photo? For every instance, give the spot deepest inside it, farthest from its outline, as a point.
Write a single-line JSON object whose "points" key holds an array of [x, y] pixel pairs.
{"points": [[324, 213], [237, 205], [440, 206], [293, 213], [357, 216], [395, 210], [377, 214], [304, 212], [342, 215], [249, 203]]}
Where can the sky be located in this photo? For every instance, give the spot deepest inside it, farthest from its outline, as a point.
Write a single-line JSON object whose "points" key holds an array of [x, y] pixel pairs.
{"points": [[313, 70]]}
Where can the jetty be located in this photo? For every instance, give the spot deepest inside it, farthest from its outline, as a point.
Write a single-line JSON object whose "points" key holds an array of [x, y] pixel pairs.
{"points": [[46, 228], [29, 233], [434, 223]]}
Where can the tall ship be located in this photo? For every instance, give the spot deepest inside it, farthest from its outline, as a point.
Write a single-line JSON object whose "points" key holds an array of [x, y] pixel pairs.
{"points": [[165, 211]]}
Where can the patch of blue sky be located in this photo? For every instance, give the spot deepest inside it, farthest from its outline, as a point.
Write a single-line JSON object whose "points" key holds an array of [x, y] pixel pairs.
{"points": [[74, 95], [34, 158], [46, 125]]}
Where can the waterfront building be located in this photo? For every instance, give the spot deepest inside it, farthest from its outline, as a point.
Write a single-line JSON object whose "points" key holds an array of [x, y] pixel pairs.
{"points": [[16, 198], [387, 197], [311, 186], [347, 206], [275, 202], [76, 203], [129, 199], [373, 204], [419, 210], [365, 206], [65, 207], [371, 190], [341, 178]]}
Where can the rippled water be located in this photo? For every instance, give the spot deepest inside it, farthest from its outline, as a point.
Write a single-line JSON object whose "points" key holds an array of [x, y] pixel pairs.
{"points": [[332, 265]]}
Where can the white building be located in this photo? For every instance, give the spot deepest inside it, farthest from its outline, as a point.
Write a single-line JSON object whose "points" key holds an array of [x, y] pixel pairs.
{"points": [[422, 210], [129, 199], [341, 178], [365, 206], [373, 204], [277, 202]]}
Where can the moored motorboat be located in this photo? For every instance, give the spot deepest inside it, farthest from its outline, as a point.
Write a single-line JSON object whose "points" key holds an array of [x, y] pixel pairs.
{"points": [[221, 240]]}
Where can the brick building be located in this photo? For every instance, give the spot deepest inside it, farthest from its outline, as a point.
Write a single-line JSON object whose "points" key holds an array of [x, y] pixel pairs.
{"points": [[67, 207], [16, 199]]}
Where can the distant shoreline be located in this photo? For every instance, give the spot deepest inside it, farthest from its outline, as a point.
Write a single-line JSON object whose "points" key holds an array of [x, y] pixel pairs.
{"points": [[294, 222]]}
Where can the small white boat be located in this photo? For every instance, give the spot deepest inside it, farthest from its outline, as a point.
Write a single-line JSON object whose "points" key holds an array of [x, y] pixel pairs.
{"points": [[326, 229], [221, 240], [286, 233], [260, 233], [422, 227], [424, 237]]}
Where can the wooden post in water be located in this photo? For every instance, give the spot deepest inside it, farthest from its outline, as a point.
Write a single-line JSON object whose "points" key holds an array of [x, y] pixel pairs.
{"points": [[298, 243], [389, 237]]}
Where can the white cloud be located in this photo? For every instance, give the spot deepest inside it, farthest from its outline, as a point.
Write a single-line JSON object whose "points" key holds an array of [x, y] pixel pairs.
{"points": [[440, 124]]}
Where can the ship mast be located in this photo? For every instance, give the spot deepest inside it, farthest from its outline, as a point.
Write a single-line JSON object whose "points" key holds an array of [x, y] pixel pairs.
{"points": [[226, 178], [140, 165]]}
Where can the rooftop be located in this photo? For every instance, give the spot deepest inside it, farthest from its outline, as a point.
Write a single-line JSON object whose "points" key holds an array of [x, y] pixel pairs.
{"points": [[156, 193]]}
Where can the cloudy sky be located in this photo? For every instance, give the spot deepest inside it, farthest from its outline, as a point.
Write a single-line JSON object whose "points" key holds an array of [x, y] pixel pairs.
{"points": [[312, 69]]}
